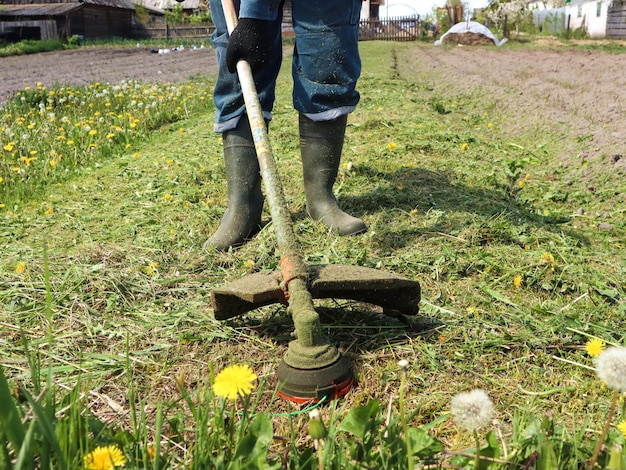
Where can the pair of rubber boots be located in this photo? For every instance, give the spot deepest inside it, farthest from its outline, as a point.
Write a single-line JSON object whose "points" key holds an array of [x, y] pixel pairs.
{"points": [[321, 143]]}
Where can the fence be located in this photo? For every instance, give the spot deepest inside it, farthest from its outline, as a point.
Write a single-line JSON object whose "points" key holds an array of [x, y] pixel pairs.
{"points": [[390, 29], [616, 20], [387, 29], [168, 31]]}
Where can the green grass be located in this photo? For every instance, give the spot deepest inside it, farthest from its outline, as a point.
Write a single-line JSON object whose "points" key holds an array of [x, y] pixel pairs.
{"points": [[32, 46], [107, 331]]}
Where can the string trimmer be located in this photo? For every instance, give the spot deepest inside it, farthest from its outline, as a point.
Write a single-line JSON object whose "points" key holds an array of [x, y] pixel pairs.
{"points": [[313, 368]]}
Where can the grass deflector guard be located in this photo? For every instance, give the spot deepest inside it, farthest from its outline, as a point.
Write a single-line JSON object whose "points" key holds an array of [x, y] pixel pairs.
{"points": [[312, 368]]}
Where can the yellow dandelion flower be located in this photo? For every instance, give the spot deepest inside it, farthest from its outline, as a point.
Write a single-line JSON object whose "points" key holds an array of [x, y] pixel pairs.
{"points": [[472, 311], [249, 264], [151, 451], [490, 124], [20, 268], [464, 146], [234, 381], [1, 179], [548, 258], [521, 184], [622, 427], [151, 268], [104, 458], [136, 154], [93, 132], [167, 196], [49, 211], [594, 347], [517, 281], [392, 146]]}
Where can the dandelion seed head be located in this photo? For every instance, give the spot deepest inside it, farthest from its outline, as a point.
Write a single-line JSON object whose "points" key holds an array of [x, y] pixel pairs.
{"points": [[611, 367], [472, 410]]}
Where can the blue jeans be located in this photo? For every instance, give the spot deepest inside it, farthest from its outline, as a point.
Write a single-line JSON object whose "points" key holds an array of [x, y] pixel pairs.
{"points": [[325, 67]]}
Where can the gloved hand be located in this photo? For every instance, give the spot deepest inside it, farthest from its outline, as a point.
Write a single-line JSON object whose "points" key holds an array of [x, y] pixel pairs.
{"points": [[251, 41]]}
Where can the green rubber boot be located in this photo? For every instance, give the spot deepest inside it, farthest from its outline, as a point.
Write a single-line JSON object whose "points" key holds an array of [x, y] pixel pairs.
{"points": [[321, 143], [242, 219]]}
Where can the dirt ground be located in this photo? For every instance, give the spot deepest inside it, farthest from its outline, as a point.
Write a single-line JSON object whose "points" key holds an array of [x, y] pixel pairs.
{"points": [[580, 94], [577, 96], [112, 65]]}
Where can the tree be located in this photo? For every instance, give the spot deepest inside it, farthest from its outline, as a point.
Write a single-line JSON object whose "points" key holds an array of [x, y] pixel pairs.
{"points": [[515, 11]]}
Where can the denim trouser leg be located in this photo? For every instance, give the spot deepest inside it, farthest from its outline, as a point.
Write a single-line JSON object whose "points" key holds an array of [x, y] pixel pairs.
{"points": [[326, 63], [227, 93]]}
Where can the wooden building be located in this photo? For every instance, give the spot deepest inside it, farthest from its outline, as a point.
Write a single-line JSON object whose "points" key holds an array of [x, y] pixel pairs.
{"points": [[62, 19]]}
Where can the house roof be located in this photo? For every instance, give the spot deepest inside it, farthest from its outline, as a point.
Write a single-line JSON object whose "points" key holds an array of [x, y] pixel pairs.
{"points": [[37, 9], [55, 9]]}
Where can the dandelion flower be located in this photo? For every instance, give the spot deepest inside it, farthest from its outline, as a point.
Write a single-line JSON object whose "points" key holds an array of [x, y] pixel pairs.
{"points": [[611, 367], [392, 146], [403, 364], [317, 430], [472, 410], [594, 347], [548, 258], [104, 458], [621, 427], [233, 381], [517, 281], [20, 268]]}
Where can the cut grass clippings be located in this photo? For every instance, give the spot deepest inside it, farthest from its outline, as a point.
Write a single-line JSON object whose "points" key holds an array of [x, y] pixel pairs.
{"points": [[512, 288]]}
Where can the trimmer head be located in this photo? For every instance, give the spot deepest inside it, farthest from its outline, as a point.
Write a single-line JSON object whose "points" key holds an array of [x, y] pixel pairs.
{"points": [[313, 385]]}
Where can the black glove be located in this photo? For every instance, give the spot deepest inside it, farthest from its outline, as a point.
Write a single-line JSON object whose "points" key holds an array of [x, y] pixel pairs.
{"points": [[249, 41]]}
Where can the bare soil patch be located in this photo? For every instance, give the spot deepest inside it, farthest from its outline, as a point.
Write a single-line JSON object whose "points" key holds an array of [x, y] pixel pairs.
{"points": [[107, 65], [576, 96]]}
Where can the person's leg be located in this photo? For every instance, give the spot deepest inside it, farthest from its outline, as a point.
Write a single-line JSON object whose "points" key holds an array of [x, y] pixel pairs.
{"points": [[242, 218], [321, 143], [326, 67], [227, 91]]}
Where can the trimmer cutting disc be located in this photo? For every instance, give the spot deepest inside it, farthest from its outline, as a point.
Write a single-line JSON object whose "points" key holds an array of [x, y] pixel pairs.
{"points": [[313, 385]]}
